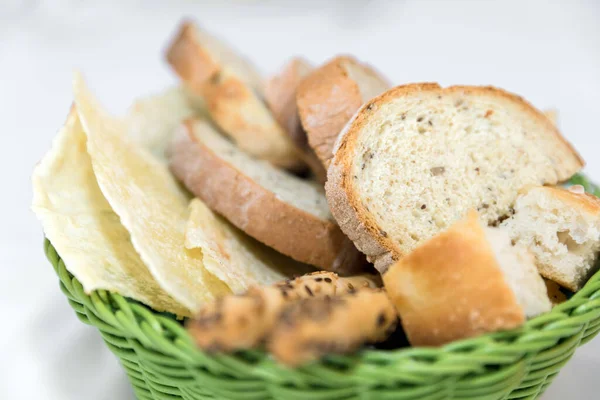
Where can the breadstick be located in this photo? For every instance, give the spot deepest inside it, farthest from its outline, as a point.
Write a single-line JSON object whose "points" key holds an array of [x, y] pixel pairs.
{"points": [[311, 328], [243, 321]]}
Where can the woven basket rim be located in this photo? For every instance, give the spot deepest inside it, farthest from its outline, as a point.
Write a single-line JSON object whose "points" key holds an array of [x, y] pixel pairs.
{"points": [[162, 334]]}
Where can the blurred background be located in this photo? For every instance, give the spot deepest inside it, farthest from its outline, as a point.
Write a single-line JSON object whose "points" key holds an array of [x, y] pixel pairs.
{"points": [[547, 51]]}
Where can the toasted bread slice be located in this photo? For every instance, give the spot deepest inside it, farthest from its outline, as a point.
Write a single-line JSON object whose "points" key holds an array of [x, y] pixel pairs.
{"points": [[562, 229], [196, 56], [231, 90], [280, 96], [283, 211], [414, 160], [330, 95], [464, 282]]}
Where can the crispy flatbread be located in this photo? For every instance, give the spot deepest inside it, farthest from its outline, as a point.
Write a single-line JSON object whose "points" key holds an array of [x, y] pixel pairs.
{"points": [[149, 202], [83, 228]]}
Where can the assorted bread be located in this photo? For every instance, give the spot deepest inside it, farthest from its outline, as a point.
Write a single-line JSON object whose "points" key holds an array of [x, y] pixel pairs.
{"points": [[414, 160], [447, 191], [453, 194]]}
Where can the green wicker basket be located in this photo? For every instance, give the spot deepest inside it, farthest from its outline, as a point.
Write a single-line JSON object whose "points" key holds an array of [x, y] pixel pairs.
{"points": [[162, 362]]}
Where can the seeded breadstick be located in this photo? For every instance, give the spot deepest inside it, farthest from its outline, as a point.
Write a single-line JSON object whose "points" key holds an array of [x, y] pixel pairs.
{"points": [[323, 283], [243, 321], [311, 328]]}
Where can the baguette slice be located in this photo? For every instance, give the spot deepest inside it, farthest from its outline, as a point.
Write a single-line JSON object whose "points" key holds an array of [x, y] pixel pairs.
{"points": [[464, 282], [231, 89], [414, 160], [196, 56], [562, 229], [280, 96], [276, 208], [329, 97]]}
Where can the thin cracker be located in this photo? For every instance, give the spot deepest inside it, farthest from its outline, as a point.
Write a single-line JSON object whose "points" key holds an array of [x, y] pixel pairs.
{"points": [[151, 205], [83, 228]]}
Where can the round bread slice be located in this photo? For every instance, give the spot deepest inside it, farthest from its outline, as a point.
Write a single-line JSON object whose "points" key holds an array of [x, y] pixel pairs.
{"points": [[276, 208], [330, 95], [414, 160], [466, 281]]}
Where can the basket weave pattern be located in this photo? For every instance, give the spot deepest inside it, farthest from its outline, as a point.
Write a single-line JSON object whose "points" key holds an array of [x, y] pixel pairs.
{"points": [[162, 362]]}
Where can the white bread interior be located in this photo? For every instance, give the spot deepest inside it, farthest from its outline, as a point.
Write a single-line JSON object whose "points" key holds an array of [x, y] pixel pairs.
{"points": [[562, 229]]}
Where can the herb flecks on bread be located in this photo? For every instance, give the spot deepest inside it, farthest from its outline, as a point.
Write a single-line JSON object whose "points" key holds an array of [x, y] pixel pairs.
{"points": [[415, 159]]}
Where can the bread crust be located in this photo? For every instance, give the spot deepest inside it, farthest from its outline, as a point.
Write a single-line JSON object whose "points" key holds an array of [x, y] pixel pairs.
{"points": [[280, 96], [232, 102], [257, 211], [354, 219], [452, 287], [585, 201], [190, 60], [327, 99], [239, 112]]}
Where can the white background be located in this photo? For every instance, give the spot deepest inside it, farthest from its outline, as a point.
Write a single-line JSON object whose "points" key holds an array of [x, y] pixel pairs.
{"points": [[547, 51]]}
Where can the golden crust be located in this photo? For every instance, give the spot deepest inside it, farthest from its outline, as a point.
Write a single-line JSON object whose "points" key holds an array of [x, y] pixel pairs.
{"points": [[313, 327], [280, 96], [258, 211], [239, 112], [585, 201], [230, 96], [190, 60], [343, 200], [327, 99], [451, 287]]}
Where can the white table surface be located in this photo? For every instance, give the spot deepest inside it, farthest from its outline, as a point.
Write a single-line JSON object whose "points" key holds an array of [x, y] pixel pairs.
{"points": [[549, 53]]}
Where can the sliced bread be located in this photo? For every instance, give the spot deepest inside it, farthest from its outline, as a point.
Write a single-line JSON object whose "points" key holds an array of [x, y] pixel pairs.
{"points": [[414, 160], [562, 229], [464, 282], [231, 88], [330, 95], [196, 56], [280, 96], [281, 210]]}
